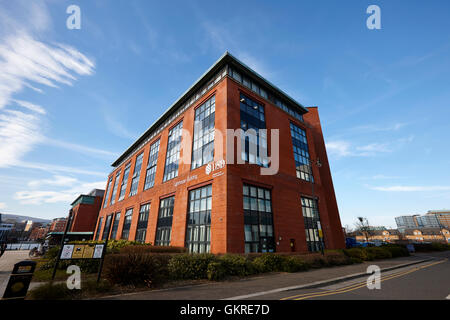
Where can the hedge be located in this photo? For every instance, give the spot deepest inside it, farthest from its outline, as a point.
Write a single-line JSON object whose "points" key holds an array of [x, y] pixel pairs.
{"points": [[136, 269]]}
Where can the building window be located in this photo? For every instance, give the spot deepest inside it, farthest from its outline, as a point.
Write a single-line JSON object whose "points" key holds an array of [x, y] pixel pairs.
{"points": [[107, 226], [173, 152], [123, 187], [141, 230], [164, 226], [115, 226], [151, 166], [127, 224], [253, 143], [203, 146], [136, 175], [108, 187], [198, 233], [311, 219], [258, 221], [301, 153], [99, 227], [116, 184]]}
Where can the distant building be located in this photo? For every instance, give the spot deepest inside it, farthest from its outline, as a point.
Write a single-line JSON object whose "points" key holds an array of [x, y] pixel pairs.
{"points": [[427, 235], [5, 228], [58, 225], [85, 209], [38, 233], [427, 221], [443, 217], [406, 222], [376, 234]]}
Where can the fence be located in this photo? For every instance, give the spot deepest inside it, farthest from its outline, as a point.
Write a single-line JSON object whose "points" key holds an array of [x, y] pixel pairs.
{"points": [[22, 246]]}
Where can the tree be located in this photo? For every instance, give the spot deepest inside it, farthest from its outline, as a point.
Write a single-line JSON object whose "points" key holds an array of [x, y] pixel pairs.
{"points": [[362, 225]]}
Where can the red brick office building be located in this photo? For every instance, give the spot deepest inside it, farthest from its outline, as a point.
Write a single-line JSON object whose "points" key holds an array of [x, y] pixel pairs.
{"points": [[85, 210], [213, 203]]}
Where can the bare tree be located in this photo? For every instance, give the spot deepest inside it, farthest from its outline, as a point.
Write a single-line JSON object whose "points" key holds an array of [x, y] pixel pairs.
{"points": [[362, 225]]}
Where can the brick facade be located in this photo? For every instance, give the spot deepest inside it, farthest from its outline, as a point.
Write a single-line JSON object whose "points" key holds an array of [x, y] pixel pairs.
{"points": [[227, 220]]}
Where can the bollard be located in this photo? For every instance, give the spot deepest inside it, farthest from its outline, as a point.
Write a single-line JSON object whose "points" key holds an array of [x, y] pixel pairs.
{"points": [[20, 279]]}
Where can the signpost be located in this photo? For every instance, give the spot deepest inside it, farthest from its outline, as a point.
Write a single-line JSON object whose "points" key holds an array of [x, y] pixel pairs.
{"points": [[81, 251]]}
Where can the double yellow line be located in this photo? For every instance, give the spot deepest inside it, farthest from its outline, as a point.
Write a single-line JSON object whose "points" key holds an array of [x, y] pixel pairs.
{"points": [[358, 285]]}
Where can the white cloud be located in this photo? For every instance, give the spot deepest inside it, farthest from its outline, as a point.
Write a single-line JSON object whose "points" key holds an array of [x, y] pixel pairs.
{"points": [[2, 205], [79, 148], [27, 62], [57, 168], [37, 197], [30, 106], [55, 181], [411, 188], [344, 148], [19, 132], [338, 148]]}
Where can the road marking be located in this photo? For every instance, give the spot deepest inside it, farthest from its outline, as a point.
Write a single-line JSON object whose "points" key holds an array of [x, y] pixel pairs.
{"points": [[357, 285]]}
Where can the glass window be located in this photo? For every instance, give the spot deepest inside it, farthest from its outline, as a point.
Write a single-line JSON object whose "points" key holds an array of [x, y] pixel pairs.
{"points": [[203, 145], [164, 225], [173, 152], [107, 226], [136, 175], [254, 141], [123, 187], [108, 187], [151, 166], [100, 221], [198, 233], [141, 230], [127, 224], [311, 219], [116, 184], [258, 222], [301, 153], [115, 226]]}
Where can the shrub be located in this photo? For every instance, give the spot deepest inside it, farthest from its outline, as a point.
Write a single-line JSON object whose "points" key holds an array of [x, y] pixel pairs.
{"points": [[379, 253], [49, 291], [337, 259], [269, 262], [190, 266], [216, 271], [136, 269], [397, 251], [237, 265], [294, 264], [151, 249], [52, 253], [357, 254]]}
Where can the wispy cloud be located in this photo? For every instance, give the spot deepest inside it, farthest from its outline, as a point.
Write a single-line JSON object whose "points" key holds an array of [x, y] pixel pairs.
{"points": [[342, 148], [2, 206], [26, 62], [55, 169], [44, 195], [345, 148], [79, 148], [54, 181], [411, 188]]}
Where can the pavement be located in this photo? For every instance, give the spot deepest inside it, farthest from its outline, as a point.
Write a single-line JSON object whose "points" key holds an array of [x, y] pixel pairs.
{"points": [[7, 262], [279, 285], [429, 280]]}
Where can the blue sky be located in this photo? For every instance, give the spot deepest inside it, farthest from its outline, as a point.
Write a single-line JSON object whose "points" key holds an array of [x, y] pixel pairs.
{"points": [[72, 100]]}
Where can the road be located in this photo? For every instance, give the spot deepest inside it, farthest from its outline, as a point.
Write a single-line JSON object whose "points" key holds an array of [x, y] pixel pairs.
{"points": [[7, 262], [426, 281]]}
